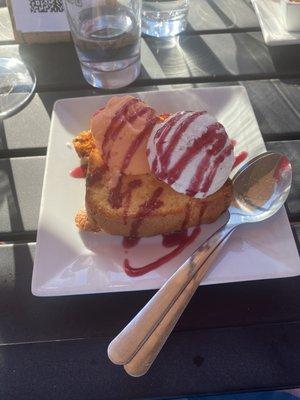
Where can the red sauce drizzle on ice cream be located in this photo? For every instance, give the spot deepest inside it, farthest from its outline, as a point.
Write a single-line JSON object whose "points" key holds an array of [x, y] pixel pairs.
{"points": [[143, 110], [115, 195], [97, 111], [213, 140], [217, 141], [122, 116], [138, 140], [181, 128], [165, 129], [214, 167], [117, 123]]}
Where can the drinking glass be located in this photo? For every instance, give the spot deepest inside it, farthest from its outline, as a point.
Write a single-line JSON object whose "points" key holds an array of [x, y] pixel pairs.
{"points": [[17, 84], [106, 34], [163, 18]]}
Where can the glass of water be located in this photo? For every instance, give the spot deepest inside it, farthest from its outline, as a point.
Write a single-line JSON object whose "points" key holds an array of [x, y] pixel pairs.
{"points": [[162, 18], [106, 34]]}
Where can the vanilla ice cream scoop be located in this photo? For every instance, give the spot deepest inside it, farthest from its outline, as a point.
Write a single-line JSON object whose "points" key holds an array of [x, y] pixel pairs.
{"points": [[191, 152], [121, 130]]}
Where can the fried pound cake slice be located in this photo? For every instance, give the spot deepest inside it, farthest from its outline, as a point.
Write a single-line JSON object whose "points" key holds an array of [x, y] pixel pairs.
{"points": [[141, 205]]}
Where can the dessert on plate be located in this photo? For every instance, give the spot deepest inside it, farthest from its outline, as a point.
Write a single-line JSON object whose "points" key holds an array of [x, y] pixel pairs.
{"points": [[149, 174]]}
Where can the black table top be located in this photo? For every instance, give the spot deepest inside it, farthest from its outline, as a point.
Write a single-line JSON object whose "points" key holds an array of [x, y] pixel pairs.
{"points": [[232, 337]]}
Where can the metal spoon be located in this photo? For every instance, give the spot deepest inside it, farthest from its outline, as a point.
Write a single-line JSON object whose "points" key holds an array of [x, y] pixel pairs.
{"points": [[260, 188]]}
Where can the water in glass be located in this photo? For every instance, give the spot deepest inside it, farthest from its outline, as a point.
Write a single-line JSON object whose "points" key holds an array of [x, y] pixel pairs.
{"points": [[162, 18], [107, 41]]}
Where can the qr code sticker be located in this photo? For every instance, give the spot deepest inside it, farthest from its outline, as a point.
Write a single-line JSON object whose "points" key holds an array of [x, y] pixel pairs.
{"points": [[46, 6]]}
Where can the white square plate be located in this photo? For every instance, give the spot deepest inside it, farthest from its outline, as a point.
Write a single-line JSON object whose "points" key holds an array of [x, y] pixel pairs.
{"points": [[270, 17], [69, 262]]}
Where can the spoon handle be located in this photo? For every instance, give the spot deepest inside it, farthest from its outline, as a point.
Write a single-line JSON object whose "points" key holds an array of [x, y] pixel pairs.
{"points": [[124, 347], [147, 354]]}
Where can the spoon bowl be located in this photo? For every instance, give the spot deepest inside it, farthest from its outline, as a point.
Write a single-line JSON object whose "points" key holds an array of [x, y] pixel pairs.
{"points": [[260, 188]]}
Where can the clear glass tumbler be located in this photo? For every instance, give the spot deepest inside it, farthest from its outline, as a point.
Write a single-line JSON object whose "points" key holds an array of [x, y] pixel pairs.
{"points": [[106, 34], [162, 18]]}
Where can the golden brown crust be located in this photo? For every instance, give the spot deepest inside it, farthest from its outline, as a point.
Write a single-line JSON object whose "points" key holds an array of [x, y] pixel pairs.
{"points": [[83, 223], [84, 144], [176, 212]]}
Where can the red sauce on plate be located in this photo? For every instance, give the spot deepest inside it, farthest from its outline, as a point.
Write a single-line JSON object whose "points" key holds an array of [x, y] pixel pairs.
{"points": [[79, 172], [174, 238], [239, 158], [283, 165], [188, 239], [129, 242]]}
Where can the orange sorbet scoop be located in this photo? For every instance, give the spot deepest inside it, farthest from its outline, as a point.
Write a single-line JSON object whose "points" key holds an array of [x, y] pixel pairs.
{"points": [[121, 131]]}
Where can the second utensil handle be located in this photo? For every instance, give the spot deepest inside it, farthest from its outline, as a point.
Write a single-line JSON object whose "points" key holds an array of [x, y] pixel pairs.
{"points": [[123, 348], [145, 357]]}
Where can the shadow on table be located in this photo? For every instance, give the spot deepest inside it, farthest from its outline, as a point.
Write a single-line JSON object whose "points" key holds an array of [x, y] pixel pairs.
{"points": [[286, 59], [8, 195]]}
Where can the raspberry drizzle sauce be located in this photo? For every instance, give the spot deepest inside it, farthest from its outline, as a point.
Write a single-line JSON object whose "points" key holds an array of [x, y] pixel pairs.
{"points": [[176, 136], [127, 196], [214, 141], [217, 141], [115, 196], [97, 111], [117, 123], [239, 158], [165, 129], [184, 242], [143, 110], [174, 238], [201, 213], [145, 209], [186, 216], [214, 167], [122, 116], [95, 175], [135, 144], [129, 242], [79, 172], [282, 166]]}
